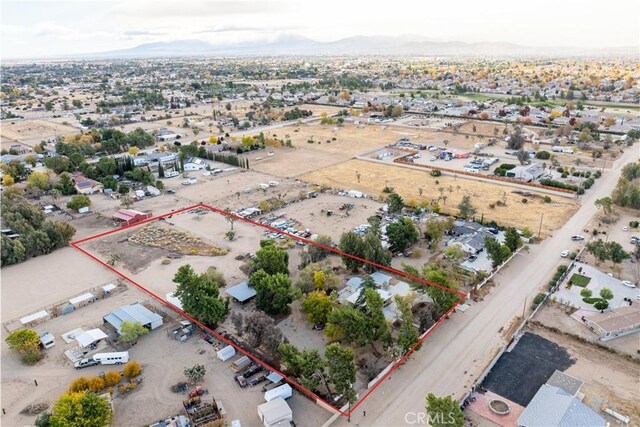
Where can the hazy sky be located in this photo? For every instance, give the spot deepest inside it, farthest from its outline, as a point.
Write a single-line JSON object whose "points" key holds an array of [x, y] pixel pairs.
{"points": [[37, 28]]}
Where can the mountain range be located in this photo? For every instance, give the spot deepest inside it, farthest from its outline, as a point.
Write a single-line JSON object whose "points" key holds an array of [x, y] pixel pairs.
{"points": [[405, 45]]}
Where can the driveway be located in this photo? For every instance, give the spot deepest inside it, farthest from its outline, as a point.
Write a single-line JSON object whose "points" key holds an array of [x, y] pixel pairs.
{"points": [[457, 353]]}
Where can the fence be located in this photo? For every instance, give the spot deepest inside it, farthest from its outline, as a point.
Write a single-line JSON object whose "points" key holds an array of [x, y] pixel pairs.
{"points": [[402, 160], [518, 333], [63, 307]]}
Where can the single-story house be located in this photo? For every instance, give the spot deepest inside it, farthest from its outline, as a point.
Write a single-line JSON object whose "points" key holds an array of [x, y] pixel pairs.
{"points": [[553, 406], [615, 323], [86, 185], [275, 413], [134, 312], [130, 216], [526, 172], [241, 292]]}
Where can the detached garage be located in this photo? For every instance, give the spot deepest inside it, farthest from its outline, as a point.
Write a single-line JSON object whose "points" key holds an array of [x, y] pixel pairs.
{"points": [[275, 413]]}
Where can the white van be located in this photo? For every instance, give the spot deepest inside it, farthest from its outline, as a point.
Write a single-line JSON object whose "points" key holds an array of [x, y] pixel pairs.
{"points": [[263, 186], [273, 183], [112, 358]]}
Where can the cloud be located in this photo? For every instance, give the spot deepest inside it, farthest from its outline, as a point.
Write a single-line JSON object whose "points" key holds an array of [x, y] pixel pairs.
{"points": [[239, 28], [199, 8], [136, 33], [61, 32]]}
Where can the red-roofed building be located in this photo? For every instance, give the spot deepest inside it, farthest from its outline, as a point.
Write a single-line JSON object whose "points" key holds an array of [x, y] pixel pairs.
{"points": [[130, 216]]}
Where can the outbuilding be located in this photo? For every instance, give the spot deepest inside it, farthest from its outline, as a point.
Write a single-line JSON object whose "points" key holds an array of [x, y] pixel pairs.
{"points": [[129, 216], [91, 338], [226, 353], [134, 312], [275, 413], [241, 292]]}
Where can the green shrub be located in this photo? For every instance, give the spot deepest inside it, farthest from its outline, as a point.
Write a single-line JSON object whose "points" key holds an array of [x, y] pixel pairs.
{"points": [[547, 199], [436, 172], [537, 300], [543, 155]]}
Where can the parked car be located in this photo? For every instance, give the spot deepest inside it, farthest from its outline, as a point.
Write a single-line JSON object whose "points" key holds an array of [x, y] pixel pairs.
{"points": [[85, 363], [577, 237], [628, 284], [564, 253]]}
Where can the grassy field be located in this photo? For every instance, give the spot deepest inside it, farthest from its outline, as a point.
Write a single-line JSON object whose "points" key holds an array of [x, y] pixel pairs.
{"points": [[374, 177]]}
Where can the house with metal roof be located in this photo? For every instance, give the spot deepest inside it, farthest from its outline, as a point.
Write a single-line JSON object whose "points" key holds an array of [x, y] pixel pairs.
{"points": [[134, 312], [553, 406]]}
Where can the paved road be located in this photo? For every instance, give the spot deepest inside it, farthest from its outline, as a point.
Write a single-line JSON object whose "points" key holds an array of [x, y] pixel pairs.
{"points": [[457, 353]]}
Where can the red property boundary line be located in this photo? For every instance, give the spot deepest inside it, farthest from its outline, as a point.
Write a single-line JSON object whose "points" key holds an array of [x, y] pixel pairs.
{"points": [[76, 245]]}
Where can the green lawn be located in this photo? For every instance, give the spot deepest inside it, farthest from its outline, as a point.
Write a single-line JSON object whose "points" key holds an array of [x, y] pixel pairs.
{"points": [[579, 280]]}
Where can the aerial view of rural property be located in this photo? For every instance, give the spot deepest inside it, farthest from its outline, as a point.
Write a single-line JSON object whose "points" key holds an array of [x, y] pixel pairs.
{"points": [[287, 214]]}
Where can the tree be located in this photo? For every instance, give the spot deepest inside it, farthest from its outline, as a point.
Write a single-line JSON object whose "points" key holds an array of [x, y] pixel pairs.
{"points": [[402, 233], [455, 253], [408, 334], [273, 291], [586, 293], [306, 365], [7, 180], [27, 343], [79, 201], [317, 305], [616, 253], [230, 235], [126, 201], [605, 203], [497, 252], [606, 294], [601, 304], [377, 322], [195, 374], [318, 253], [465, 208], [598, 249], [443, 411], [271, 259], [374, 253], [394, 203], [131, 331], [523, 157], [516, 139], [342, 370], [512, 239], [133, 151], [200, 296], [434, 231], [65, 184], [38, 180], [352, 244], [346, 323], [82, 409]]}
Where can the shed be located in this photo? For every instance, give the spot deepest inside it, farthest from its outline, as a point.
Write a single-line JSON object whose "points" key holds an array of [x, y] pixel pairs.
{"points": [[275, 413], [82, 299], [226, 353], [90, 337], [274, 377], [106, 289], [241, 292], [34, 317], [134, 312], [355, 194]]}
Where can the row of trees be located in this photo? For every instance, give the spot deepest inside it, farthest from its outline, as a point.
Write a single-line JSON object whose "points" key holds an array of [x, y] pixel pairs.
{"points": [[37, 234], [607, 251]]}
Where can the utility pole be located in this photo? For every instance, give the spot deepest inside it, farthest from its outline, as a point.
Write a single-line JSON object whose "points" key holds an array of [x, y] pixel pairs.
{"points": [[524, 307], [540, 228]]}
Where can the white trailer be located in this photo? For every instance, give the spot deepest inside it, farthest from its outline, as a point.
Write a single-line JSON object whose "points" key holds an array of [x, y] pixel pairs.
{"points": [[263, 186], [284, 391], [117, 358]]}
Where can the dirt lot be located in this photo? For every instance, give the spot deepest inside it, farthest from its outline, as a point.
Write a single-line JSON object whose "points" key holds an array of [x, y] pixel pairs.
{"points": [[607, 377], [32, 132], [374, 177]]}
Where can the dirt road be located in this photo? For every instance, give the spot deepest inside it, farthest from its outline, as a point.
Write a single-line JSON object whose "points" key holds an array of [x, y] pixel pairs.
{"points": [[456, 354]]}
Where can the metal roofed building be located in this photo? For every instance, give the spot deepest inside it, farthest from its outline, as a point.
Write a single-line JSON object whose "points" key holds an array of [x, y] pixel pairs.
{"points": [[241, 292], [90, 337], [566, 382], [552, 406], [134, 312]]}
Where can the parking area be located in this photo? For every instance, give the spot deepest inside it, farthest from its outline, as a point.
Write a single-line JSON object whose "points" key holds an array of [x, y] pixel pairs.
{"points": [[518, 374]]}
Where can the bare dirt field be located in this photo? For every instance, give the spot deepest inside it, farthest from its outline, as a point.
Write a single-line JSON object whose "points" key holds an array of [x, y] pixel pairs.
{"points": [[32, 132], [608, 378], [374, 177], [44, 280], [287, 162]]}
